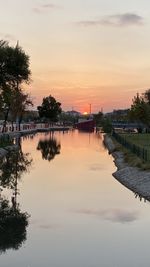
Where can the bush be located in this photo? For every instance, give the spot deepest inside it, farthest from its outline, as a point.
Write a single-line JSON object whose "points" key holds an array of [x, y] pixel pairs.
{"points": [[107, 125]]}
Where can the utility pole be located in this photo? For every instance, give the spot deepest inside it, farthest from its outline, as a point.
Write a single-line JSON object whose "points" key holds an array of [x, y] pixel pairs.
{"points": [[90, 108]]}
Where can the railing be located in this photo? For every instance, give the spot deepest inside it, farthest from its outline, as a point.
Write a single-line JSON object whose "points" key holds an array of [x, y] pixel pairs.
{"points": [[24, 127], [141, 152]]}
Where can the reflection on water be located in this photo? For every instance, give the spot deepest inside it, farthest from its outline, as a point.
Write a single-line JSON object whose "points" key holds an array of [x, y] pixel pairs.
{"points": [[114, 215], [49, 148], [13, 222], [12, 167], [79, 214], [13, 225]]}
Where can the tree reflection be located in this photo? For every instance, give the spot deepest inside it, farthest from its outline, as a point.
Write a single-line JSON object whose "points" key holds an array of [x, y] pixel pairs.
{"points": [[13, 222], [13, 225], [49, 148], [12, 168]]}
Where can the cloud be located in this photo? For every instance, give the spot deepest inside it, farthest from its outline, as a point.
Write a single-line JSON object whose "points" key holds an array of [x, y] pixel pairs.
{"points": [[48, 226], [45, 226], [114, 215], [96, 167], [117, 20], [44, 7]]}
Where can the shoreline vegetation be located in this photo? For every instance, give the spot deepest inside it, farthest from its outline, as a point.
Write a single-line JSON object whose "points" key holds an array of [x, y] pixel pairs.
{"points": [[134, 178]]}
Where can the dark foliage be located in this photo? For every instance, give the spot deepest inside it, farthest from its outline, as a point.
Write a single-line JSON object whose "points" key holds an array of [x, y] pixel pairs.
{"points": [[49, 148], [50, 109], [13, 225]]}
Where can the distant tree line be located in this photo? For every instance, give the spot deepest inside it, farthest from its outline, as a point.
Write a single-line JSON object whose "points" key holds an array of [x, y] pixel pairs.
{"points": [[138, 113], [14, 101]]}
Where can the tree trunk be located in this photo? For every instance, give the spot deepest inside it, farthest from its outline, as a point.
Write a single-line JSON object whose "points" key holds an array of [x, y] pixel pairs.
{"points": [[20, 120], [12, 126], [5, 120]]}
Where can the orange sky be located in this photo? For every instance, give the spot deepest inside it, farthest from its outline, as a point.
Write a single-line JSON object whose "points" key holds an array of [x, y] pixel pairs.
{"points": [[82, 52]]}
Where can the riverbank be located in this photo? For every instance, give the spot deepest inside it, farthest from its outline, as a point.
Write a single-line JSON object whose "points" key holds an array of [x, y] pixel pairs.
{"points": [[133, 178], [35, 130]]}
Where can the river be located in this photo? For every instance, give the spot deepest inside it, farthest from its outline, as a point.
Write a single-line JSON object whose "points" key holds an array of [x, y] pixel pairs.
{"points": [[78, 215]]}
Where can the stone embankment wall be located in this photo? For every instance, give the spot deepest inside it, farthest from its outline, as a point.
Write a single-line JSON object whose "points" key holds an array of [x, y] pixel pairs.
{"points": [[133, 178]]}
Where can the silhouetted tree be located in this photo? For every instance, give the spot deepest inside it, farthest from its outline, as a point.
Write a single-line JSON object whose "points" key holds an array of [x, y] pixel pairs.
{"points": [[14, 70], [106, 125], [146, 96], [98, 118], [140, 110], [50, 109], [19, 104]]}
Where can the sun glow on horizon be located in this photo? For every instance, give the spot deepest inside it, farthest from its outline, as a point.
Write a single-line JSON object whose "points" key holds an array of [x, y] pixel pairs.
{"points": [[105, 73]]}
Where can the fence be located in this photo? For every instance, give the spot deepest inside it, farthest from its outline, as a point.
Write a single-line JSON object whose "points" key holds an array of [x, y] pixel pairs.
{"points": [[141, 152], [24, 127]]}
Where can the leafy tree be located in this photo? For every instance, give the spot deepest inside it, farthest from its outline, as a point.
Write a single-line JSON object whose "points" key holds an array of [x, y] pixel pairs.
{"points": [[98, 118], [50, 109], [5, 103], [4, 77], [20, 102], [14, 71], [106, 125], [146, 96], [14, 66], [140, 110]]}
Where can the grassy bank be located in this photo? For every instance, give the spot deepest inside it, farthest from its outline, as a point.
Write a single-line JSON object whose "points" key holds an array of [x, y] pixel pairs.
{"points": [[141, 141]]}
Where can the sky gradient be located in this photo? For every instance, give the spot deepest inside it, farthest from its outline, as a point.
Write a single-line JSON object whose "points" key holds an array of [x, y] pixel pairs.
{"points": [[82, 52]]}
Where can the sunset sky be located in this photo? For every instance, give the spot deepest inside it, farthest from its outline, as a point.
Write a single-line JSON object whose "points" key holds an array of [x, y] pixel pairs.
{"points": [[82, 51]]}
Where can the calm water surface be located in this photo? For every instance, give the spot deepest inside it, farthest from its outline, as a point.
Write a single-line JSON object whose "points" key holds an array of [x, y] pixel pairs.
{"points": [[80, 216]]}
